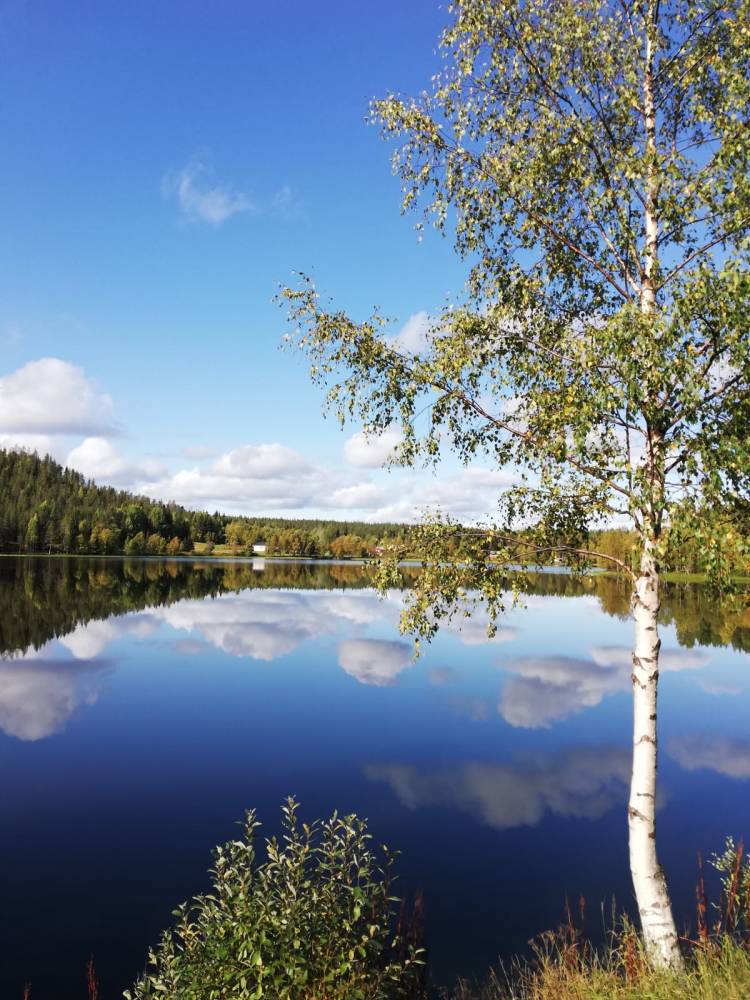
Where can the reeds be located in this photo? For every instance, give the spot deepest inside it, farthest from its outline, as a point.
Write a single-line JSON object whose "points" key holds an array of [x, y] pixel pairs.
{"points": [[565, 966]]}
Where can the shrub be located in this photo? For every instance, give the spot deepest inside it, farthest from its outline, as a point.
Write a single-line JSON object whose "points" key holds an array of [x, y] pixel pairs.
{"points": [[314, 921]]}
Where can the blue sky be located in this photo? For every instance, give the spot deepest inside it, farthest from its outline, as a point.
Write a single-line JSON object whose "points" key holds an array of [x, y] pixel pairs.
{"points": [[165, 166]]}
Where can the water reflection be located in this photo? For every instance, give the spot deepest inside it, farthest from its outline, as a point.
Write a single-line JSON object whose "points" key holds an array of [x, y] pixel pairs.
{"points": [[37, 697], [548, 689], [584, 783], [132, 689], [374, 661], [713, 753]]}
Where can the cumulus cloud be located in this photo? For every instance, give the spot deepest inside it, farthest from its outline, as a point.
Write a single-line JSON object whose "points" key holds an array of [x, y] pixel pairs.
{"points": [[468, 494], [97, 458], [414, 335], [371, 451], [261, 461], [201, 201], [712, 753], [547, 689], [42, 444], [584, 783], [358, 497], [52, 397], [374, 661], [267, 476], [37, 697]]}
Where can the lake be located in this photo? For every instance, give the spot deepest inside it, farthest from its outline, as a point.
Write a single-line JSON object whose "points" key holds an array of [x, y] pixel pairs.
{"points": [[144, 705]]}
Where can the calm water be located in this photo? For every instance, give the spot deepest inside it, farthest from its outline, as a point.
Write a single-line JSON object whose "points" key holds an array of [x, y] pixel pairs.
{"points": [[145, 705]]}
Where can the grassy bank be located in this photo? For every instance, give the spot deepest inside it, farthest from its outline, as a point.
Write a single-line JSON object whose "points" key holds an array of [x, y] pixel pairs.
{"points": [[565, 970]]}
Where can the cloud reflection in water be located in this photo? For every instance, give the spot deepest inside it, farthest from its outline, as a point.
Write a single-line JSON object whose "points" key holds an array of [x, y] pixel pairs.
{"points": [[584, 783], [38, 696]]}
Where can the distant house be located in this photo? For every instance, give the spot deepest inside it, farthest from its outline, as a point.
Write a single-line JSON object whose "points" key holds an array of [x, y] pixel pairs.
{"points": [[259, 549]]}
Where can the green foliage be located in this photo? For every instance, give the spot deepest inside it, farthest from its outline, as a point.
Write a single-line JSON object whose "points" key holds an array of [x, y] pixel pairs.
{"points": [[316, 919], [292, 542], [733, 909]]}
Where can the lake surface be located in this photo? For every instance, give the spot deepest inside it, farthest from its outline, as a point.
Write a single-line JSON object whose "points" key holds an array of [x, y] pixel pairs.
{"points": [[144, 705]]}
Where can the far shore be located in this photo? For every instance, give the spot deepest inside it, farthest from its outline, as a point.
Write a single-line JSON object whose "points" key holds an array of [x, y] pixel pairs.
{"points": [[667, 576]]}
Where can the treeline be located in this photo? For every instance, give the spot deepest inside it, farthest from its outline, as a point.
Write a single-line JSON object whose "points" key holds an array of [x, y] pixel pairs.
{"points": [[685, 550], [47, 508]]}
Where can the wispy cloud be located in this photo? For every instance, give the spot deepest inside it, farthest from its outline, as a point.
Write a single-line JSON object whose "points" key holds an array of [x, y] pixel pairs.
{"points": [[200, 200], [287, 204]]}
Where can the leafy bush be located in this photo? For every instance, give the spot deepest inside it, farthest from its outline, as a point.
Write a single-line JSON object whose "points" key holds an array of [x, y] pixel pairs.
{"points": [[314, 921]]}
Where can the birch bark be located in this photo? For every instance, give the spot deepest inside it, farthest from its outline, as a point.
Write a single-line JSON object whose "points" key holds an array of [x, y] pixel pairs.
{"points": [[649, 881]]}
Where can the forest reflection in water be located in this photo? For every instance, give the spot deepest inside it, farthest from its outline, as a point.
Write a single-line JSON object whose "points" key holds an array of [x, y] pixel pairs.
{"points": [[500, 767]]}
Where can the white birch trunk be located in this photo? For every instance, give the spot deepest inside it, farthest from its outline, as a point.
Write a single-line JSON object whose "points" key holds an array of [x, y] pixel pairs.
{"points": [[649, 881]]}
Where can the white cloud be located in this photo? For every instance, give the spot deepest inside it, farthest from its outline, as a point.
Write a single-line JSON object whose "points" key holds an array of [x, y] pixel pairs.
{"points": [[42, 444], [469, 494], [37, 697], [199, 200], [372, 451], [51, 397], [261, 461], [358, 497], [97, 458], [413, 336], [725, 756], [256, 478], [265, 477], [374, 661], [583, 783]]}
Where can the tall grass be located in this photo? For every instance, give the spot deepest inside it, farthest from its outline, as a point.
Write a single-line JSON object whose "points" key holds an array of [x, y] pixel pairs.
{"points": [[564, 966], [619, 972]]}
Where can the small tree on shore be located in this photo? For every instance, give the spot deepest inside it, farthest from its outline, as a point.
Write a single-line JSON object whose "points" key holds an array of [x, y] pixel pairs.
{"points": [[591, 158]]}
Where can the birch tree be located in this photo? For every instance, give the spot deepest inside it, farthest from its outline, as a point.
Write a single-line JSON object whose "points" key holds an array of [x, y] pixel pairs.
{"points": [[590, 161]]}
